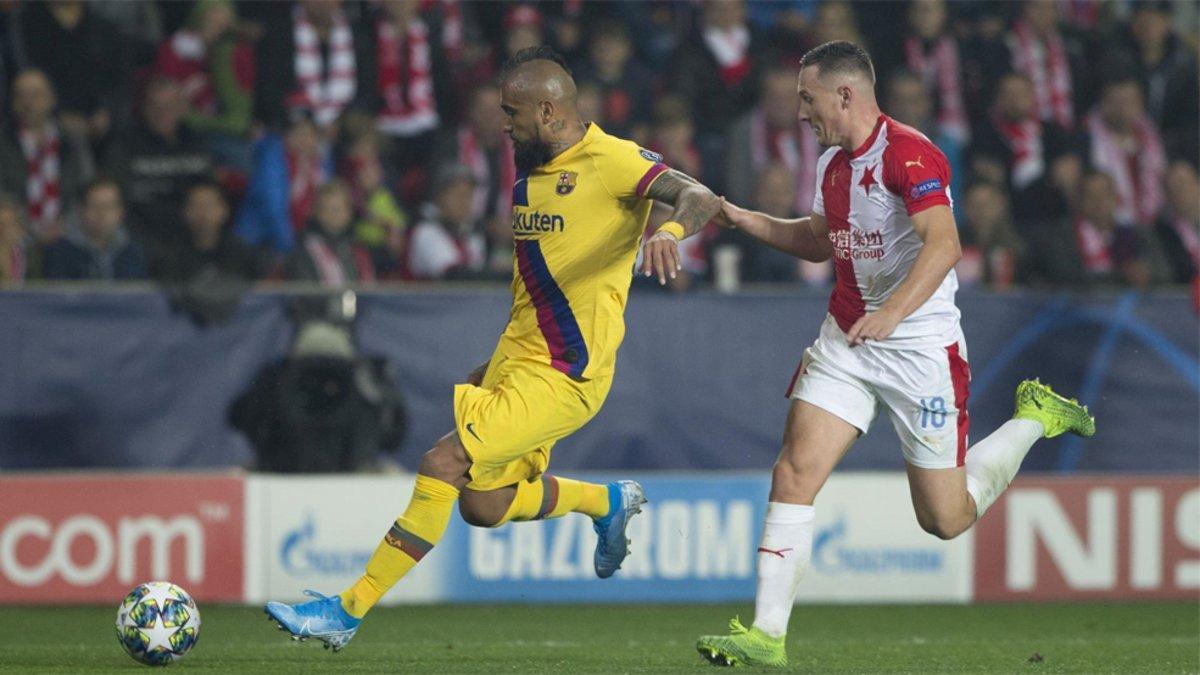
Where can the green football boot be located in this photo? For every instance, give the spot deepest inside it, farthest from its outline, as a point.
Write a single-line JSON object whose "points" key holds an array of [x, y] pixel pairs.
{"points": [[743, 647], [1057, 414]]}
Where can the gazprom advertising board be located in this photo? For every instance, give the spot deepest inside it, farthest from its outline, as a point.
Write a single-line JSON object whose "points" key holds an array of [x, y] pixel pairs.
{"points": [[695, 541], [317, 532]]}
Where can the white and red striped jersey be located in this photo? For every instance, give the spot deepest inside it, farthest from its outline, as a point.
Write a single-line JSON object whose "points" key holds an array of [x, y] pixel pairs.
{"points": [[868, 198]]}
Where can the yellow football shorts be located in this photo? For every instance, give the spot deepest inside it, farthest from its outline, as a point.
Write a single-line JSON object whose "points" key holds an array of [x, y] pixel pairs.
{"points": [[510, 422]]}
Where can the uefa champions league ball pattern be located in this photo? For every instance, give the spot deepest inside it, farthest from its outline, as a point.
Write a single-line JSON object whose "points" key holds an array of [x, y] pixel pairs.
{"points": [[158, 623]]}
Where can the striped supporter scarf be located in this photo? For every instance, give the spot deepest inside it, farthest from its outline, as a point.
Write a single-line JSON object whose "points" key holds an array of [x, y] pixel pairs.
{"points": [[1024, 139], [330, 267], [324, 96], [43, 162], [1137, 167], [304, 175], [939, 66], [405, 79], [730, 47], [1045, 62]]}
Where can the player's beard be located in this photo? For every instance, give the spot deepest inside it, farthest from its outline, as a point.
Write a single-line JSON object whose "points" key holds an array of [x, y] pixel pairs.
{"points": [[529, 155]]}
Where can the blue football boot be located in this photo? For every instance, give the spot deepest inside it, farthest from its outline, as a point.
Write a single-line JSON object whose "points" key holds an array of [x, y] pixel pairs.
{"points": [[625, 498], [322, 618]]}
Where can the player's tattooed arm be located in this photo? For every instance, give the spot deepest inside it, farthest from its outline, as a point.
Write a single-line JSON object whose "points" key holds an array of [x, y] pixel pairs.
{"points": [[694, 205]]}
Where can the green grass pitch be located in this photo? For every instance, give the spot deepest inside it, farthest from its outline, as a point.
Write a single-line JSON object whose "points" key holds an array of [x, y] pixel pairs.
{"points": [[1081, 638]]}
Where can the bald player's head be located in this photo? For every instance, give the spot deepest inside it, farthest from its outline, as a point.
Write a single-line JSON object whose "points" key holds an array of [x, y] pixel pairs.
{"points": [[540, 104]]}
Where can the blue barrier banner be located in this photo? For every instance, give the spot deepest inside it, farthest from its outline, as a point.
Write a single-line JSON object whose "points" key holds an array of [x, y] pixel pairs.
{"points": [[104, 379], [693, 542], [696, 541]]}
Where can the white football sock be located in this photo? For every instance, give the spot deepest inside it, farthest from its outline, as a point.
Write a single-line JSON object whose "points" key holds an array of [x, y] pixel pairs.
{"points": [[992, 462], [782, 558]]}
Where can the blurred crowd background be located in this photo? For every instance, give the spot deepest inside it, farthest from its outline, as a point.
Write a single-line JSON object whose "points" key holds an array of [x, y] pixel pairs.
{"points": [[346, 142]]}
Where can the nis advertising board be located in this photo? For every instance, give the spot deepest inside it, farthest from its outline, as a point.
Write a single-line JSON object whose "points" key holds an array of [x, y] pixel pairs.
{"points": [[70, 539], [1126, 538]]}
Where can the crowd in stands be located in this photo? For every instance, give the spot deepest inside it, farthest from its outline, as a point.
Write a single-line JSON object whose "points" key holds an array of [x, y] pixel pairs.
{"points": [[352, 141]]}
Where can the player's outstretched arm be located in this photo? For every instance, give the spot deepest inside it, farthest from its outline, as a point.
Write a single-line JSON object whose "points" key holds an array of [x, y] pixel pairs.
{"points": [[805, 238], [694, 206], [939, 254]]}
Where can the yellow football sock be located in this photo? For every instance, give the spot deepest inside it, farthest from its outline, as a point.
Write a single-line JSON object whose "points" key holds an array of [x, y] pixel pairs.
{"points": [[550, 497], [412, 536]]}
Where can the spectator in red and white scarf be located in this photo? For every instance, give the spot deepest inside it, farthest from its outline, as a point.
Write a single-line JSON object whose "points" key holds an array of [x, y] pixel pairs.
{"points": [[717, 71], [772, 134], [931, 52], [1178, 230], [1095, 245], [406, 65], [1125, 143], [993, 254], [1109, 245], [216, 71], [1038, 163], [327, 252], [40, 161], [480, 145], [445, 243], [309, 61], [1041, 50], [14, 242]]}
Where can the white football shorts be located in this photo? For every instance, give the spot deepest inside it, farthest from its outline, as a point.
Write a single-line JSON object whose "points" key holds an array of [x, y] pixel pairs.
{"points": [[924, 391]]}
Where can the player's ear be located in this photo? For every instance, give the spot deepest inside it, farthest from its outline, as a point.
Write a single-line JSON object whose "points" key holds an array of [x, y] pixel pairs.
{"points": [[844, 95], [545, 111]]}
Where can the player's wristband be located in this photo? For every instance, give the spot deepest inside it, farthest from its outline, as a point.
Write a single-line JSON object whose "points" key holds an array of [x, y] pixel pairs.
{"points": [[672, 228]]}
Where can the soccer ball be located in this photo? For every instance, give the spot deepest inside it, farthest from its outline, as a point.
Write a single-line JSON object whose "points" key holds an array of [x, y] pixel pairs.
{"points": [[158, 623]]}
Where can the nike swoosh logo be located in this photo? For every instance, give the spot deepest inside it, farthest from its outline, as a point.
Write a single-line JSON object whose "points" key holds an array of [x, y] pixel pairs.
{"points": [[471, 430]]}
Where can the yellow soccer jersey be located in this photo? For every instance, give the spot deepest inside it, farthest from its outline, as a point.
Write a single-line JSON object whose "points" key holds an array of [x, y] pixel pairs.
{"points": [[577, 223]]}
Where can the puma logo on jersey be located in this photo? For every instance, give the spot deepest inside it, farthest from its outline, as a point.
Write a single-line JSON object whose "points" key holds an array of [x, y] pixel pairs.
{"points": [[916, 162]]}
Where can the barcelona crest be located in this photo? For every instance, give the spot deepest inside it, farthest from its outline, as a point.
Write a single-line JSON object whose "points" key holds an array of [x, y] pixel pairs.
{"points": [[566, 183]]}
